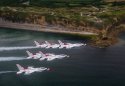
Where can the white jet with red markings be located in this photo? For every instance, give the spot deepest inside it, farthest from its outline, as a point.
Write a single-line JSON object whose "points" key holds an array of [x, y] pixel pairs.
{"points": [[31, 56], [47, 54], [69, 45], [40, 45], [50, 57], [49, 45], [29, 69]]}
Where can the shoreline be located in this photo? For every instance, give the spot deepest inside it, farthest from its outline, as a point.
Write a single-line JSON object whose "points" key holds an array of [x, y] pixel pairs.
{"points": [[59, 30], [36, 27]]}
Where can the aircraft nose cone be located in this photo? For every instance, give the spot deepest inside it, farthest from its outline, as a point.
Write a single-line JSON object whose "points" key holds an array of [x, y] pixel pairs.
{"points": [[67, 56], [48, 69]]}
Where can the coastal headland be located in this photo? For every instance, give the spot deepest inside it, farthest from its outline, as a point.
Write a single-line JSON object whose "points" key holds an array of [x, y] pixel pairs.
{"points": [[101, 23]]}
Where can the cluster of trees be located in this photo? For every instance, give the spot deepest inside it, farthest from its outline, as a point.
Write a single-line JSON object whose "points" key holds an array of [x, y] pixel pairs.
{"points": [[64, 2], [20, 17], [11, 2], [57, 3], [50, 2]]}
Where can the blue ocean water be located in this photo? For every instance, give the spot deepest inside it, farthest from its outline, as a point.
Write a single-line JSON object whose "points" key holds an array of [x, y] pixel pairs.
{"points": [[86, 66]]}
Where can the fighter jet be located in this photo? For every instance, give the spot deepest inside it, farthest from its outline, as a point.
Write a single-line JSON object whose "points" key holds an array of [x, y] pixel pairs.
{"points": [[31, 56], [51, 45], [46, 54], [41, 46], [79, 44], [29, 70], [69, 45], [50, 57], [65, 45]]}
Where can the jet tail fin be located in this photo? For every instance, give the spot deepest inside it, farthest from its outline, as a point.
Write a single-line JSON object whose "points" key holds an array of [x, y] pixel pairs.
{"points": [[60, 42], [43, 55], [29, 53], [36, 43], [19, 67], [47, 43]]}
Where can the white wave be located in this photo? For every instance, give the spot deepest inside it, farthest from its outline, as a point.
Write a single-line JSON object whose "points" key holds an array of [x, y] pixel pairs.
{"points": [[16, 48], [1, 72], [11, 58]]}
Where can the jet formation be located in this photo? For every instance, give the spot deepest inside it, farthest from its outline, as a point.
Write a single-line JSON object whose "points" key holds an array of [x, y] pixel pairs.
{"points": [[60, 45], [46, 56]]}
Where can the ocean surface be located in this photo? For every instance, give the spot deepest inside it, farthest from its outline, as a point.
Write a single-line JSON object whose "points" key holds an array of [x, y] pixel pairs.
{"points": [[86, 66]]}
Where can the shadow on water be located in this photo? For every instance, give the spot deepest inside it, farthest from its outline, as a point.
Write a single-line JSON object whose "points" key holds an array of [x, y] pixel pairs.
{"points": [[37, 34], [121, 40], [122, 35]]}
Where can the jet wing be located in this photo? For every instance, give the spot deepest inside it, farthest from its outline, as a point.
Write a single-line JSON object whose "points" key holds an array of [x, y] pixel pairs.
{"points": [[50, 59], [28, 72], [19, 72], [29, 57], [43, 58]]}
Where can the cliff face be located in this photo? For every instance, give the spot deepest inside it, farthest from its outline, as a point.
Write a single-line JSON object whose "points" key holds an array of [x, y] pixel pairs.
{"points": [[43, 20], [70, 25]]}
